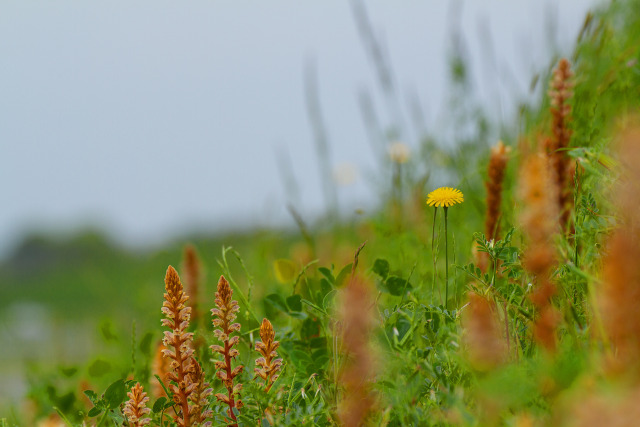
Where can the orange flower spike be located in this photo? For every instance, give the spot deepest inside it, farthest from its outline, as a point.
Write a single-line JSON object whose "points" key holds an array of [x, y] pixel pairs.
{"points": [[223, 316], [135, 408], [267, 366], [178, 345]]}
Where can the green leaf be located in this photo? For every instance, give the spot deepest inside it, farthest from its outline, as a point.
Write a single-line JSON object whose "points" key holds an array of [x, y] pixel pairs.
{"points": [[116, 418], [277, 302], [99, 367], [106, 328], [164, 387], [381, 268], [92, 395], [325, 288], [327, 273], [300, 359], [298, 315], [327, 302], [397, 285], [158, 405], [68, 371], [310, 329], [115, 394], [94, 411], [343, 276], [145, 344], [285, 270], [294, 302]]}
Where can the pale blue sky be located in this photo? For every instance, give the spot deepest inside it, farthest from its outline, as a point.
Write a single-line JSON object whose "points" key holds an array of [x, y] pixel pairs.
{"points": [[152, 117]]}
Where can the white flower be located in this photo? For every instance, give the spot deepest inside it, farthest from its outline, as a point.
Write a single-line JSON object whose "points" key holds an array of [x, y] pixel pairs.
{"points": [[399, 152]]}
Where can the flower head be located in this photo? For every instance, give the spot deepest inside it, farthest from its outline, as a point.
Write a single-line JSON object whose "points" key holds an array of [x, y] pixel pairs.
{"points": [[445, 197], [399, 152]]}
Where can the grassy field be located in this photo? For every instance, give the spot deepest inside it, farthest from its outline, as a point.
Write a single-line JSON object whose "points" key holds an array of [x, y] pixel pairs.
{"points": [[514, 305]]}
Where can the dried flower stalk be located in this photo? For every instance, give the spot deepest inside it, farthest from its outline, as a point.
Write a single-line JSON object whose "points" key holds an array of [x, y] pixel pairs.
{"points": [[483, 334], [539, 221], [358, 371], [193, 279], [223, 316], [178, 343], [135, 408], [560, 93], [267, 366]]}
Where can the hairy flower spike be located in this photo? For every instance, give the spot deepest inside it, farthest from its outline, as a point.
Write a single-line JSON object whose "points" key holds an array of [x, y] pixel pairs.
{"points": [[358, 372], [539, 220], [159, 367], [223, 316], [497, 166], [619, 295], [193, 279], [560, 93], [483, 337], [135, 408], [199, 402], [266, 366], [178, 345]]}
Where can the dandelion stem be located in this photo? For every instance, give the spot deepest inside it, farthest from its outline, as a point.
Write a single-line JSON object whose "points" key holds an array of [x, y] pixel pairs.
{"points": [[433, 255], [446, 259]]}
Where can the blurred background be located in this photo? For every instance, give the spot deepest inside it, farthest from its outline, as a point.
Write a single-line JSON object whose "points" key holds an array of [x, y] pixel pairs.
{"points": [[149, 120], [128, 129]]}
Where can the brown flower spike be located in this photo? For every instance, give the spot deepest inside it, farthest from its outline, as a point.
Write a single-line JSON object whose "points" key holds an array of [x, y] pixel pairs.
{"points": [[223, 316], [483, 336], [198, 400], [193, 279], [539, 220], [358, 371], [619, 295], [560, 93], [159, 367], [135, 408], [266, 366], [497, 166], [178, 345]]}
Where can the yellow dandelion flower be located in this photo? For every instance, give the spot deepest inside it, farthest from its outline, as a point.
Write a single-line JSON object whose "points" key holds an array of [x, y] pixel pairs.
{"points": [[445, 196]]}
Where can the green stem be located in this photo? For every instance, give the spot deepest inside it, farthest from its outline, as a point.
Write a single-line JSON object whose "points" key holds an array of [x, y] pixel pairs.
{"points": [[433, 255], [446, 259]]}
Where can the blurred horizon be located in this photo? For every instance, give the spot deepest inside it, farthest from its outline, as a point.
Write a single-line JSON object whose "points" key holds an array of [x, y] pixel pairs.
{"points": [[149, 121]]}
